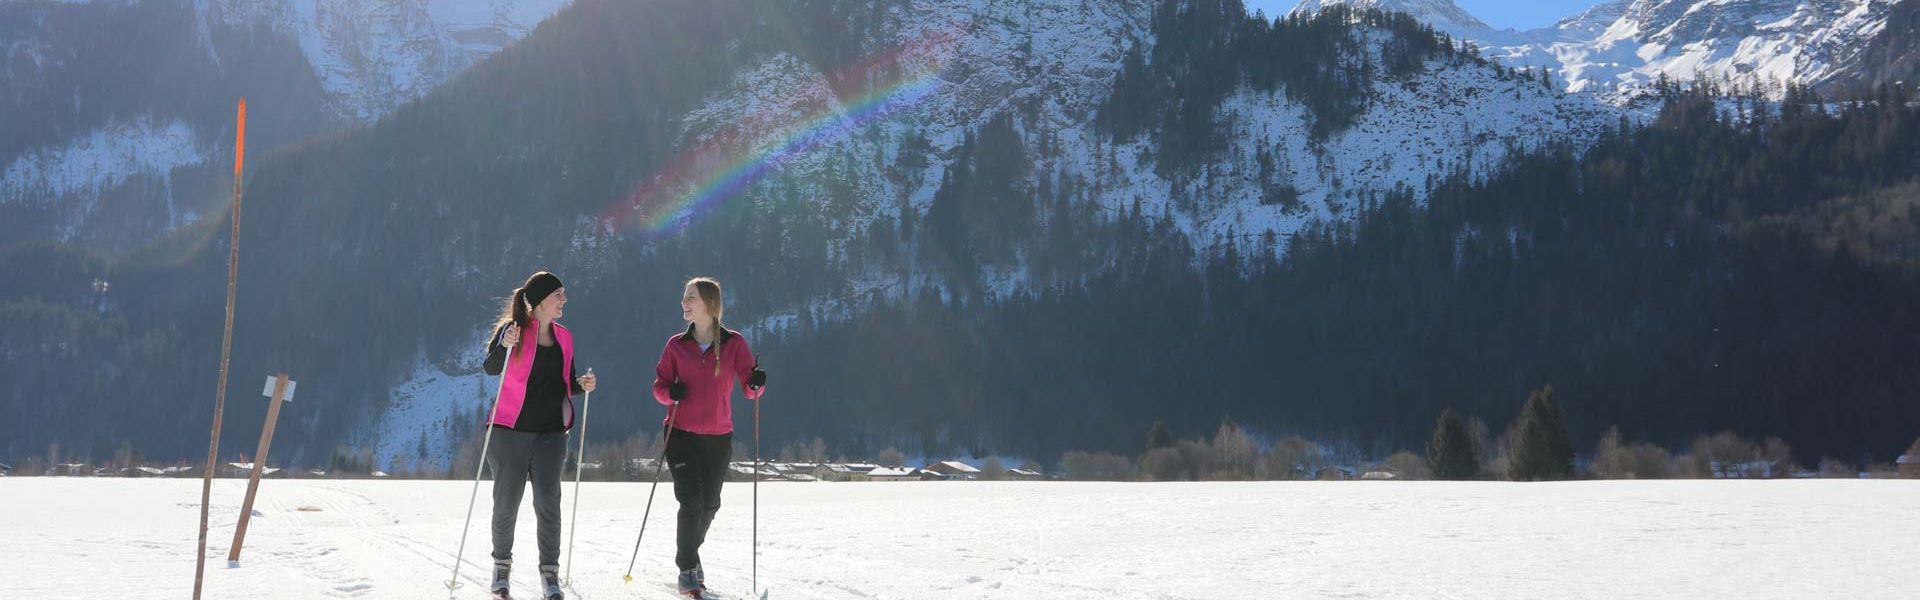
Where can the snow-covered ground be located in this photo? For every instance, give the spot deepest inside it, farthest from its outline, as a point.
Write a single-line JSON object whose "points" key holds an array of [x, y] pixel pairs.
{"points": [[121, 538]]}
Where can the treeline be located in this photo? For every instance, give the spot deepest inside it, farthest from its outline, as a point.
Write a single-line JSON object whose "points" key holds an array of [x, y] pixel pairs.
{"points": [[1684, 276], [1535, 447]]}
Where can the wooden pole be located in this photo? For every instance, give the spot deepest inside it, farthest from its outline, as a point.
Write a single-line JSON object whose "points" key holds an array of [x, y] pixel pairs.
{"points": [[226, 345], [259, 463]]}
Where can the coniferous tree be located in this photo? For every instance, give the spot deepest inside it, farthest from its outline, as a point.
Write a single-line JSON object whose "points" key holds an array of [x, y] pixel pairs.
{"points": [[1451, 454], [1541, 450]]}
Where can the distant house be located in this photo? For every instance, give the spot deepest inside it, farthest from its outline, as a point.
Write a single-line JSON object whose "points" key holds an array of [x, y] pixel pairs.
{"points": [[744, 471], [891, 474], [795, 471], [1378, 476], [71, 469], [1333, 473], [842, 472], [143, 472], [244, 469], [739, 472], [637, 467], [925, 475], [954, 469], [1022, 475], [1908, 459], [6, 468], [317, 473], [379, 474]]}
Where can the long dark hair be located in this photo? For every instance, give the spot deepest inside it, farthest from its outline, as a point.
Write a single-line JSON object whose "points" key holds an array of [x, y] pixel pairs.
{"points": [[515, 310]]}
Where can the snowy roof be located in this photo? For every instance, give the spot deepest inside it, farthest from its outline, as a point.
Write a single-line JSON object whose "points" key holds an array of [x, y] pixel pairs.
{"points": [[247, 466], [379, 474], [747, 469], [1379, 475], [1908, 459], [890, 472], [1024, 472], [958, 466], [149, 470], [862, 466]]}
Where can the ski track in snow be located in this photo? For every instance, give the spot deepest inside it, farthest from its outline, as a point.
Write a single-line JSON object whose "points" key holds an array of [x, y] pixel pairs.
{"points": [[116, 538]]}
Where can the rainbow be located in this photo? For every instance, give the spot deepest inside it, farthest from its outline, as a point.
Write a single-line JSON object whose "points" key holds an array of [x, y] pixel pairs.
{"points": [[669, 201]]}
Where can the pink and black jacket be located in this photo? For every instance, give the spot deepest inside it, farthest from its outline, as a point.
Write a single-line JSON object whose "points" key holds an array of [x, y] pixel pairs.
{"points": [[708, 407], [513, 388]]}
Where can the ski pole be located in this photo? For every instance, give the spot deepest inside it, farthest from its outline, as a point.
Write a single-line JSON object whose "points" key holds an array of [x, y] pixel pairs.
{"points": [[667, 435], [756, 493], [579, 462], [454, 583]]}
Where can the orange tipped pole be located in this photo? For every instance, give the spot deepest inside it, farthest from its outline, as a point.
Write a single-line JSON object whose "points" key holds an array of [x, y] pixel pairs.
{"points": [[226, 350]]}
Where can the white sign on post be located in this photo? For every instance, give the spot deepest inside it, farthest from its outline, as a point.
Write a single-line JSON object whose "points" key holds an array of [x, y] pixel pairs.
{"points": [[259, 463], [268, 391]]}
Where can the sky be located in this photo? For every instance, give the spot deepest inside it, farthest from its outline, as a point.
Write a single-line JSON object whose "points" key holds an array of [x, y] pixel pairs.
{"points": [[1501, 14]]}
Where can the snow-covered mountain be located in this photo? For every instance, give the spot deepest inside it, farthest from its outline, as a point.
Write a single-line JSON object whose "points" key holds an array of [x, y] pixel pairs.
{"points": [[1049, 65], [1622, 46], [1061, 56], [842, 132], [1893, 55], [115, 109], [373, 55]]}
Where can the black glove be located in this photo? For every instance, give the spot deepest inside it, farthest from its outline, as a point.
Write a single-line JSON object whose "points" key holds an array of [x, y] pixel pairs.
{"points": [[757, 380], [677, 391]]}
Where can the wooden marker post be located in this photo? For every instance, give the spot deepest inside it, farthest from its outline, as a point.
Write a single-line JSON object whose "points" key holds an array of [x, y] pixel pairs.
{"points": [[280, 389]]}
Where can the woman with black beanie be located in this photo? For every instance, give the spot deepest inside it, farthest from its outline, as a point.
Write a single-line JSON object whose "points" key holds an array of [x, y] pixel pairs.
{"points": [[534, 413]]}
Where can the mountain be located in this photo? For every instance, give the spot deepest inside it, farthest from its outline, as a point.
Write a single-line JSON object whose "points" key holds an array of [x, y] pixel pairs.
{"points": [[1443, 15], [116, 111], [1891, 57], [861, 128], [1023, 227], [1619, 48]]}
